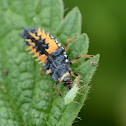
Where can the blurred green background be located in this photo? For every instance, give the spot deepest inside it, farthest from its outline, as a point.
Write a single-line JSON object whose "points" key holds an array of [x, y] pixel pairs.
{"points": [[105, 24]]}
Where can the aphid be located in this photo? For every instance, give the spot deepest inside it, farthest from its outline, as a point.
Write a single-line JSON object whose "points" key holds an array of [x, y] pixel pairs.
{"points": [[52, 55], [69, 97]]}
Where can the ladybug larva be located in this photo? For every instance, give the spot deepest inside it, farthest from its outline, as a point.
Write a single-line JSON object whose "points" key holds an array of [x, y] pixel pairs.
{"points": [[52, 55]]}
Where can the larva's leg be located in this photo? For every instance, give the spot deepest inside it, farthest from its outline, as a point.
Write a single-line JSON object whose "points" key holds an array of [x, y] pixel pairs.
{"points": [[67, 41], [48, 72], [57, 89], [79, 77], [42, 70], [82, 55]]}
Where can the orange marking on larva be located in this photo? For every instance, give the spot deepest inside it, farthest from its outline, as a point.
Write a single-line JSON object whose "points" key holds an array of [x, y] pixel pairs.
{"points": [[47, 39], [52, 46], [28, 40], [40, 57], [36, 54], [34, 50], [37, 38], [32, 44], [39, 32], [30, 47], [44, 57], [50, 50], [43, 36], [32, 34], [53, 43]]}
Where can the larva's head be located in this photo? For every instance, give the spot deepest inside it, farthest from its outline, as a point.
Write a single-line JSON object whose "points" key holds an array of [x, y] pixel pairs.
{"points": [[67, 80], [25, 34]]}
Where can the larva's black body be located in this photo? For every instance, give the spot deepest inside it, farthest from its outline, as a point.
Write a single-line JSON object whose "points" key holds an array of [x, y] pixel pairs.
{"points": [[51, 54], [58, 63]]}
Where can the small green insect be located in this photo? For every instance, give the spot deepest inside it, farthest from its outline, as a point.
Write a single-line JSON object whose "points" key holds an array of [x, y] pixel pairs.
{"points": [[69, 97]]}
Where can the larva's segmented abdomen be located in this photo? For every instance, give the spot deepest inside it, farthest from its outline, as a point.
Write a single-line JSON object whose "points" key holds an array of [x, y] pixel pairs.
{"points": [[40, 43]]}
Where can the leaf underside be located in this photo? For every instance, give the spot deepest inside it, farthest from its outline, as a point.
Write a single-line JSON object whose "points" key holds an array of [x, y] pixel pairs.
{"points": [[26, 97]]}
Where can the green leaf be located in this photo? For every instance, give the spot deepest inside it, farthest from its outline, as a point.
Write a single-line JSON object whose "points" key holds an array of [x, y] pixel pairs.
{"points": [[48, 14], [0, 70], [8, 114], [77, 47], [26, 97], [70, 27]]}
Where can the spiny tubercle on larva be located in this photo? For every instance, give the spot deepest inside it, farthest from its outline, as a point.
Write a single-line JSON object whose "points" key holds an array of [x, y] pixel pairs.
{"points": [[35, 41]]}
